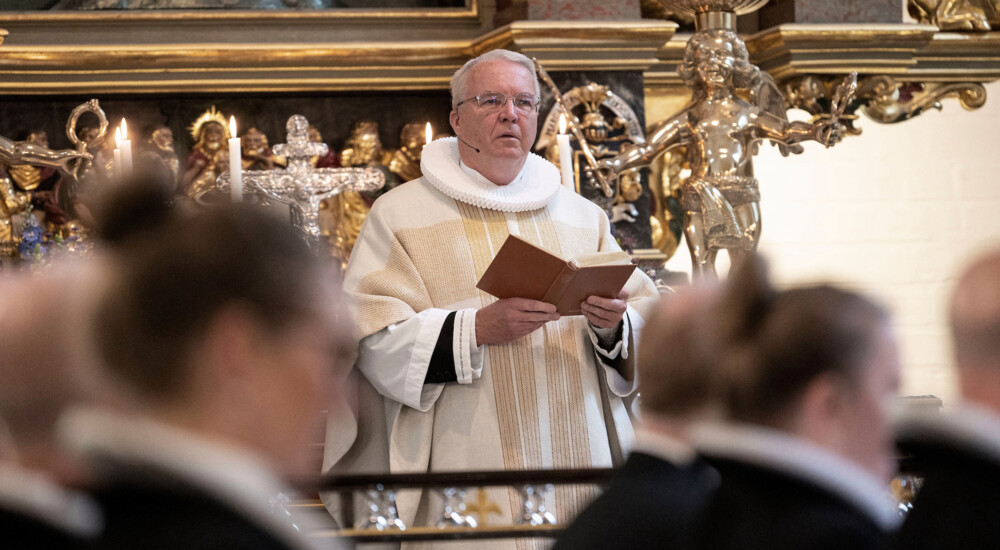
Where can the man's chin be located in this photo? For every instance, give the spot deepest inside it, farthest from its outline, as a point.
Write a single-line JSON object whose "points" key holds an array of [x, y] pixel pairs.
{"points": [[510, 149]]}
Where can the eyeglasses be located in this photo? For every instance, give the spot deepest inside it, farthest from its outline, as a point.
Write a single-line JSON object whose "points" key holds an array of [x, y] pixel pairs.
{"points": [[493, 101]]}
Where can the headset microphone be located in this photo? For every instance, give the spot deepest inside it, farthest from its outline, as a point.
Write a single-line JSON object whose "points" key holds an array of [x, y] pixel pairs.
{"points": [[476, 149]]}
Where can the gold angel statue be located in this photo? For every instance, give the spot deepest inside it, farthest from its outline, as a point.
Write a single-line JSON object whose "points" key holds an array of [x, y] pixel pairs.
{"points": [[721, 132]]}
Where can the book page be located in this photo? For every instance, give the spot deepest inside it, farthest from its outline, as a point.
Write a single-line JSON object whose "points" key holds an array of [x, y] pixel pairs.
{"points": [[616, 257]]}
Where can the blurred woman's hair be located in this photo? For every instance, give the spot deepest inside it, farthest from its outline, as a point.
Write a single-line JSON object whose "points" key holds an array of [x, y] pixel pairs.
{"points": [[177, 269], [675, 361], [775, 343]]}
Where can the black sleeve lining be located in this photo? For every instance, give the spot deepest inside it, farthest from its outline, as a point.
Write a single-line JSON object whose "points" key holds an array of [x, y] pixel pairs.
{"points": [[442, 367]]}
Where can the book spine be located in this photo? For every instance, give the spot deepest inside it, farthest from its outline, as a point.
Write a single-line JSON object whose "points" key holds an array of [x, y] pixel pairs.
{"points": [[560, 284]]}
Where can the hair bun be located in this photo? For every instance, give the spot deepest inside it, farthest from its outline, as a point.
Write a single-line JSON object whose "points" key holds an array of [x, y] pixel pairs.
{"points": [[135, 206], [747, 298]]}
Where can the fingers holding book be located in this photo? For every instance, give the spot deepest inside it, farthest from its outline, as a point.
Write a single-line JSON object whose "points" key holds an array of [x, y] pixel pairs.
{"points": [[605, 312], [511, 318]]}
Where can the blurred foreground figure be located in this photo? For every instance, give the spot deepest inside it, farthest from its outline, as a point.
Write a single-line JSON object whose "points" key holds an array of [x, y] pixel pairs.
{"points": [[806, 454], [661, 490], [225, 327], [959, 450], [42, 372]]}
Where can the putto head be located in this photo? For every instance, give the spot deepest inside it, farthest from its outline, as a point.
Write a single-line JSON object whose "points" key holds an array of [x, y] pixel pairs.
{"points": [[717, 51]]}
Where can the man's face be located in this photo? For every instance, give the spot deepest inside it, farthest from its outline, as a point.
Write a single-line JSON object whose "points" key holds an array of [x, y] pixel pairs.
{"points": [[866, 416], [501, 136], [300, 369]]}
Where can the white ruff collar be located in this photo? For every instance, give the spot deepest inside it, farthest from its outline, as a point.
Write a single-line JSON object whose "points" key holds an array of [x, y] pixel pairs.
{"points": [[532, 189]]}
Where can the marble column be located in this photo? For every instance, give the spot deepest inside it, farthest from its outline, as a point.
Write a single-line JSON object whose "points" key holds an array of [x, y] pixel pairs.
{"points": [[566, 10], [779, 12]]}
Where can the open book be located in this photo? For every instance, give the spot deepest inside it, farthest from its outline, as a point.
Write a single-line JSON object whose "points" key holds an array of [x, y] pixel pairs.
{"points": [[522, 270]]}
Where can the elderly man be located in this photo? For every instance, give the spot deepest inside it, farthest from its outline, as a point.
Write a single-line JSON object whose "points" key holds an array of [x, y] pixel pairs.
{"points": [[958, 451], [471, 382]]}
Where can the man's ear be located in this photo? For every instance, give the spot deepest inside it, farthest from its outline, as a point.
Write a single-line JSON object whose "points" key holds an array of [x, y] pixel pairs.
{"points": [[455, 122], [821, 409]]}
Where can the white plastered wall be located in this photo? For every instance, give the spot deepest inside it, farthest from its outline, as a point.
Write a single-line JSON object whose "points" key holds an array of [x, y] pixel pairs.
{"points": [[895, 212]]}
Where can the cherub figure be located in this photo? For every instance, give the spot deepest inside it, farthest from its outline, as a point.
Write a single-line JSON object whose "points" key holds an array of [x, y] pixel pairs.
{"points": [[722, 132]]}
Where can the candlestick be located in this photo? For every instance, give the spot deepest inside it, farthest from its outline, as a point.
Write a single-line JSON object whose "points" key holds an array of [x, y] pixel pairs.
{"points": [[126, 146], [235, 164], [565, 155], [118, 154]]}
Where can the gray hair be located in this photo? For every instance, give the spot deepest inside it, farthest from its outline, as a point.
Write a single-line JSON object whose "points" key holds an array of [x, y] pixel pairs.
{"points": [[458, 92]]}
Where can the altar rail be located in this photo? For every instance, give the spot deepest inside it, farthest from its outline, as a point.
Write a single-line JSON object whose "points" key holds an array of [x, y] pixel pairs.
{"points": [[346, 485]]}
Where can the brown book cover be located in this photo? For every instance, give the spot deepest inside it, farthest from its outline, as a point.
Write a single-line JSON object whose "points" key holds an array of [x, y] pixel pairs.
{"points": [[522, 270]]}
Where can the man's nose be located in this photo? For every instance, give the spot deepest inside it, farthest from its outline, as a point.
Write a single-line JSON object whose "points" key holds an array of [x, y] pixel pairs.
{"points": [[508, 111]]}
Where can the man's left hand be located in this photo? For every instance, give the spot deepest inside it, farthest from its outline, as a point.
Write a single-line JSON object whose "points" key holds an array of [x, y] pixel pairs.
{"points": [[605, 312]]}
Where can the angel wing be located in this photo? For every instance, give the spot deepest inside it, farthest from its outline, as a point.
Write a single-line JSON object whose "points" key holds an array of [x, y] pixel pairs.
{"points": [[768, 97]]}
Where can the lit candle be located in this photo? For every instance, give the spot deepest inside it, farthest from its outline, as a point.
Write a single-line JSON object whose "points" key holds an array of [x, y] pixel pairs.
{"points": [[428, 134], [565, 154], [118, 153], [235, 163], [126, 146]]}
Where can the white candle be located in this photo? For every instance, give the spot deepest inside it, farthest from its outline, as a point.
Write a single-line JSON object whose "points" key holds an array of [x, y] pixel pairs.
{"points": [[118, 154], [565, 154], [126, 146], [235, 164], [428, 134]]}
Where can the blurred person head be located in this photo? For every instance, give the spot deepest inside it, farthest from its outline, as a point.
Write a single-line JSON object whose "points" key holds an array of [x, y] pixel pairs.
{"points": [[975, 328], [817, 362], [222, 322], [46, 365], [675, 363]]}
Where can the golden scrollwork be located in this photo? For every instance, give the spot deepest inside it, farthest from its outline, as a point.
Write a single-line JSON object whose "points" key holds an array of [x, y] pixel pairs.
{"points": [[956, 15], [603, 136], [881, 98]]}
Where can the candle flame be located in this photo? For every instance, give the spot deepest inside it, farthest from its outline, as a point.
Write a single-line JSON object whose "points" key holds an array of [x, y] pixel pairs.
{"points": [[428, 134], [562, 123], [124, 129], [232, 126], [118, 137]]}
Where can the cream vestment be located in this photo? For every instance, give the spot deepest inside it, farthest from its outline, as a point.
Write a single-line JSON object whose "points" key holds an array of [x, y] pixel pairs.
{"points": [[536, 402]]}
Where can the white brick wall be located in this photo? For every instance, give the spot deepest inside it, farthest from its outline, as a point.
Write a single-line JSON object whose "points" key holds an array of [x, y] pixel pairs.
{"points": [[895, 212]]}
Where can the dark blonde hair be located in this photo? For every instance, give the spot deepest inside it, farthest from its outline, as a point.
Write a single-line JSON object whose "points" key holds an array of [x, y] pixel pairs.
{"points": [[774, 344], [177, 270]]}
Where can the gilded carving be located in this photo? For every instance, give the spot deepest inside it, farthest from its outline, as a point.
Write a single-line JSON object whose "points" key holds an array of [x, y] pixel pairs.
{"points": [[881, 98], [956, 15]]}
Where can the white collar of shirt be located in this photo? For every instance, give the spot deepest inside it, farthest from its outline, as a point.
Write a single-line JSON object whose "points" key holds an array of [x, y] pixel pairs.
{"points": [[662, 446], [779, 451], [233, 475], [35, 495], [967, 425], [533, 188]]}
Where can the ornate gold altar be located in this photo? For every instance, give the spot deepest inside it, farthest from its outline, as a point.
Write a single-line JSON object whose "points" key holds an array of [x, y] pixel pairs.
{"points": [[904, 67]]}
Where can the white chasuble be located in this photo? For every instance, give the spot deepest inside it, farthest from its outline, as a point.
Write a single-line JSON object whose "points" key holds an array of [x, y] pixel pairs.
{"points": [[533, 403]]}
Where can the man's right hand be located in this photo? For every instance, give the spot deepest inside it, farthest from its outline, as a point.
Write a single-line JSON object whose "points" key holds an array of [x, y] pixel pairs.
{"points": [[511, 318]]}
